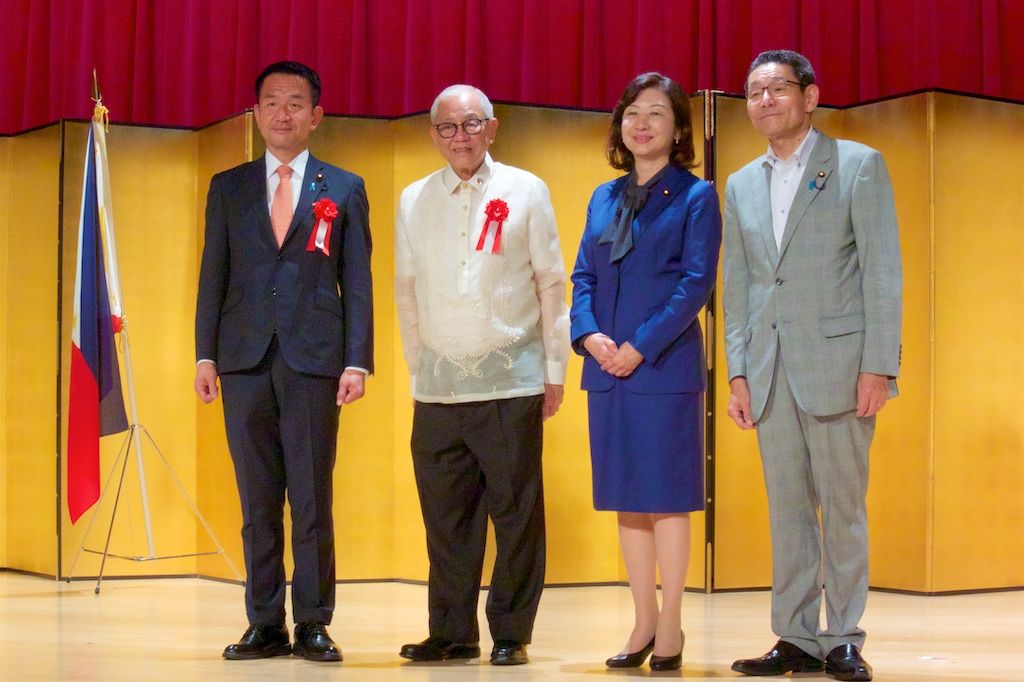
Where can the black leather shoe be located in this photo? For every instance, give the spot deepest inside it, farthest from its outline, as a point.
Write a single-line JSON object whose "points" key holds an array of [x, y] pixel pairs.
{"points": [[670, 662], [633, 660], [508, 652], [440, 649], [260, 641], [783, 658], [314, 644], [845, 663]]}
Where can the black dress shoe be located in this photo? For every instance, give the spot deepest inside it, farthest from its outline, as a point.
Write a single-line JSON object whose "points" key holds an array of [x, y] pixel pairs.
{"points": [[783, 658], [314, 644], [845, 663], [509, 652], [260, 641], [670, 662], [633, 660], [440, 649]]}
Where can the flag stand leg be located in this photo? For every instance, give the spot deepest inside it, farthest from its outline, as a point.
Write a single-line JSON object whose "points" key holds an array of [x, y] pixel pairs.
{"points": [[113, 515], [123, 452], [134, 436]]}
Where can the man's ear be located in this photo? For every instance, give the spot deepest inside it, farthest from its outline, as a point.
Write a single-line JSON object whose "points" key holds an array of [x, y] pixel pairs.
{"points": [[810, 98]]}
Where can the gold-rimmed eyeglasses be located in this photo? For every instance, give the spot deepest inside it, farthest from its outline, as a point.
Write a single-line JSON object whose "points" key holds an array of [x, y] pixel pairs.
{"points": [[471, 126], [776, 88]]}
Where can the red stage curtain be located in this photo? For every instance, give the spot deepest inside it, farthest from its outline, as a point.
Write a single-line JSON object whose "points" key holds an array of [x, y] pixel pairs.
{"points": [[191, 62]]}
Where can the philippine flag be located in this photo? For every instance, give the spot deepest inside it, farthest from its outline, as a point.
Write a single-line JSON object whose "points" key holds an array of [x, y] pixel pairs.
{"points": [[96, 405]]}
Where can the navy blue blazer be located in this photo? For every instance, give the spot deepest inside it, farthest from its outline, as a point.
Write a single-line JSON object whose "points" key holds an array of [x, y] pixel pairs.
{"points": [[320, 307], [652, 296]]}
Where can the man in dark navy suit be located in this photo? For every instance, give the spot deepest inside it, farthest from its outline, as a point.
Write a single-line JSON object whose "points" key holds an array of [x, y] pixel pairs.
{"points": [[284, 318]]}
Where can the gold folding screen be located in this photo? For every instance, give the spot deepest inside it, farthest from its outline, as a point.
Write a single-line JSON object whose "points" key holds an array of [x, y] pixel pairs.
{"points": [[946, 499]]}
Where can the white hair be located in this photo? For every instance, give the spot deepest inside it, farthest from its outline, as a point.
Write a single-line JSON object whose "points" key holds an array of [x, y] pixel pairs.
{"points": [[487, 109]]}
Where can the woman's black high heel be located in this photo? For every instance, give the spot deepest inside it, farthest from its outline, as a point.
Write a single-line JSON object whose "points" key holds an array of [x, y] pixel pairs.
{"points": [[669, 662], [633, 660]]}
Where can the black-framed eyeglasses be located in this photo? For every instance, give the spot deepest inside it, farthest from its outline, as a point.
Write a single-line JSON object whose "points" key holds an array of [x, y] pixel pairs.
{"points": [[776, 88], [471, 126]]}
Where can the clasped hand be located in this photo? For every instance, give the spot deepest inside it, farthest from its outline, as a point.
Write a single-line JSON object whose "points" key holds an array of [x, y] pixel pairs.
{"points": [[619, 361]]}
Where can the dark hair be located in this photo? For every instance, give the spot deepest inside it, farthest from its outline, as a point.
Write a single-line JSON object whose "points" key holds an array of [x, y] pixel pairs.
{"points": [[800, 64], [682, 154], [292, 69]]}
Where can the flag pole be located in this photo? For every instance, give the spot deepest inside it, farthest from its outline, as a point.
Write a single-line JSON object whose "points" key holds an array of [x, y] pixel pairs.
{"points": [[114, 283]]}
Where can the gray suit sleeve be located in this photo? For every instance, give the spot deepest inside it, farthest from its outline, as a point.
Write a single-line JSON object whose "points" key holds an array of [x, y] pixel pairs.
{"points": [[735, 291], [873, 213]]}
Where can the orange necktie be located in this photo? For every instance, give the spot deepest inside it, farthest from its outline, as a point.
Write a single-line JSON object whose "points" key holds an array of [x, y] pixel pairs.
{"points": [[281, 210]]}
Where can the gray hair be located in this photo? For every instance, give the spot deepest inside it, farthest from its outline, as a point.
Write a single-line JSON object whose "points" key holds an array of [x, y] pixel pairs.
{"points": [[801, 66], [487, 109]]}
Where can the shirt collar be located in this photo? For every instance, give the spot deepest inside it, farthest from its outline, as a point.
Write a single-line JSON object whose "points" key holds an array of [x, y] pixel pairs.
{"points": [[800, 155], [298, 164], [453, 182]]}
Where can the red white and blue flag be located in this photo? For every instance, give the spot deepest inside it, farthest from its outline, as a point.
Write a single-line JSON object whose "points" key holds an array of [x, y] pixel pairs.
{"points": [[96, 405]]}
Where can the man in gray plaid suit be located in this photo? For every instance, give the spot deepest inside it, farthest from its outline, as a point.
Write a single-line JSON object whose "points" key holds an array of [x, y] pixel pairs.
{"points": [[812, 303]]}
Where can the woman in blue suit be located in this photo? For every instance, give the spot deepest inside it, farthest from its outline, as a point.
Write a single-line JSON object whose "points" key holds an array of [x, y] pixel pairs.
{"points": [[645, 269]]}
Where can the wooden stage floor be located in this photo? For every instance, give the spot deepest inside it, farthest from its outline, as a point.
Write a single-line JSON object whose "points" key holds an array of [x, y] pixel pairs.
{"points": [[175, 629]]}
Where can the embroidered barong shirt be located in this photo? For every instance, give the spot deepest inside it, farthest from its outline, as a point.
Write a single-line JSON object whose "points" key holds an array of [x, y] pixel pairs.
{"points": [[478, 325]]}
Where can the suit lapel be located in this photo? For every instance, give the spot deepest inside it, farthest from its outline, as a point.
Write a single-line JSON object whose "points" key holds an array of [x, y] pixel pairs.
{"points": [[662, 194], [259, 206], [311, 189], [817, 172], [763, 208]]}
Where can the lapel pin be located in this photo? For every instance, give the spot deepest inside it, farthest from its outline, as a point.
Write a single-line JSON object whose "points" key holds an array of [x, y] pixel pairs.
{"points": [[818, 183], [317, 181], [665, 192]]}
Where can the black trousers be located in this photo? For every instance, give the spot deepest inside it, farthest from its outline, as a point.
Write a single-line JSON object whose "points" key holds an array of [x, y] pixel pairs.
{"points": [[282, 429], [474, 460]]}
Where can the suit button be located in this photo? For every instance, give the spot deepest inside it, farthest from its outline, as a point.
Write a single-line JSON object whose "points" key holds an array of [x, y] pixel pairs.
{"points": [[778, 281], [774, 325], [274, 293]]}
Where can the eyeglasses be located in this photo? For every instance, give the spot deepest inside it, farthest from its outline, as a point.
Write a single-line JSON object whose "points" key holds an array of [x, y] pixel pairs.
{"points": [[775, 89], [471, 126]]}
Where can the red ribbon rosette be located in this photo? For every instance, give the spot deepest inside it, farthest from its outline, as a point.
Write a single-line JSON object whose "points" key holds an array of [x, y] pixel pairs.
{"points": [[324, 212], [494, 217]]}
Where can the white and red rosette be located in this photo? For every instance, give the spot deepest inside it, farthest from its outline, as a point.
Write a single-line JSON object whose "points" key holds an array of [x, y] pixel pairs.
{"points": [[324, 213], [494, 217]]}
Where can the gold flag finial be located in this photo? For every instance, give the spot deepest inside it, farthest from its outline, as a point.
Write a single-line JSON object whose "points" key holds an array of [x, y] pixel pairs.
{"points": [[100, 113]]}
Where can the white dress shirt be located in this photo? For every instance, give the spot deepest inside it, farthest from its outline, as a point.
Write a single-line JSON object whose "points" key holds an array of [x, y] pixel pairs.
{"points": [[785, 182], [478, 325]]}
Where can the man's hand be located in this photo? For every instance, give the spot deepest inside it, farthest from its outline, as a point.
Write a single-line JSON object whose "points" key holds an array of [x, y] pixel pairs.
{"points": [[624, 361], [350, 386], [600, 347], [739, 403], [872, 393], [553, 394], [206, 381]]}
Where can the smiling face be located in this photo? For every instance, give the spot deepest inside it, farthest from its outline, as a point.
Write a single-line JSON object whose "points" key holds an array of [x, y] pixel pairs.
{"points": [[285, 115], [463, 152], [649, 126], [784, 117]]}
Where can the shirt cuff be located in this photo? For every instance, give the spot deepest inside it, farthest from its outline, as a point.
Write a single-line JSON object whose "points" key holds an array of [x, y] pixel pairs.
{"points": [[554, 372], [363, 371], [205, 361]]}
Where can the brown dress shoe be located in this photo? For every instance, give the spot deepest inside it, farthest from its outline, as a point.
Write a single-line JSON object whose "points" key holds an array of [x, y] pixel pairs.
{"points": [[260, 641]]}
